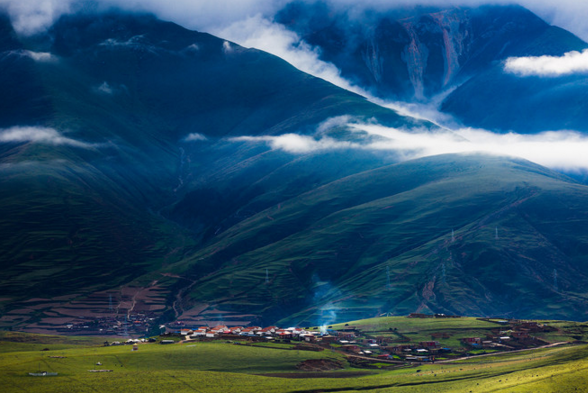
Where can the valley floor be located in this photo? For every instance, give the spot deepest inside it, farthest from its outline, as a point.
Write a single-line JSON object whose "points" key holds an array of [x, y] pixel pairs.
{"points": [[225, 367]]}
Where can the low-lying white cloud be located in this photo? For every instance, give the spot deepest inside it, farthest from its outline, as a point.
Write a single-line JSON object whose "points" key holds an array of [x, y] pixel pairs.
{"points": [[298, 144], [564, 150], [195, 137], [32, 16], [333, 122], [105, 88], [260, 33], [558, 150], [549, 66], [43, 135], [42, 57]]}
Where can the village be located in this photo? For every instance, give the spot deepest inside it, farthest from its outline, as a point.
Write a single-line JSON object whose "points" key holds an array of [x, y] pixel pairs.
{"points": [[120, 325], [368, 347]]}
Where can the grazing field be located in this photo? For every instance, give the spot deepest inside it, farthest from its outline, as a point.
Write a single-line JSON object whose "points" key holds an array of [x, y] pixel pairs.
{"points": [[449, 330], [418, 324], [225, 367]]}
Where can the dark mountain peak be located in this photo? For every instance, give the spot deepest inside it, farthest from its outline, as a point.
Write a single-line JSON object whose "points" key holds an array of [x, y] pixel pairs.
{"points": [[418, 53], [412, 52]]}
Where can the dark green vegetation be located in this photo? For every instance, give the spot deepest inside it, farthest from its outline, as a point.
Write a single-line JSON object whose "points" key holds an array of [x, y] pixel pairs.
{"points": [[421, 52], [110, 99], [125, 190], [381, 241], [221, 366]]}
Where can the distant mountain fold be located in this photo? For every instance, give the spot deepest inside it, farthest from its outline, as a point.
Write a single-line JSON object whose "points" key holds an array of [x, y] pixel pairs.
{"points": [[418, 53]]}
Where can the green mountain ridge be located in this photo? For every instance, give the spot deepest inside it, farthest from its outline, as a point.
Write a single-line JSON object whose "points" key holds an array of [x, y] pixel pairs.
{"points": [[342, 238], [99, 109], [108, 209]]}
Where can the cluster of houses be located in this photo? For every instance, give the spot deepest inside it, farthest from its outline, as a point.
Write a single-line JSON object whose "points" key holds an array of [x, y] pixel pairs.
{"points": [[111, 325], [270, 332], [510, 335], [520, 334], [130, 341], [423, 316], [421, 352], [345, 340]]}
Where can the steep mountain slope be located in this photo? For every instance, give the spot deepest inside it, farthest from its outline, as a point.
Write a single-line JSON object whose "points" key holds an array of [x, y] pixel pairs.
{"points": [[381, 241], [148, 168], [417, 53], [497, 100], [107, 123]]}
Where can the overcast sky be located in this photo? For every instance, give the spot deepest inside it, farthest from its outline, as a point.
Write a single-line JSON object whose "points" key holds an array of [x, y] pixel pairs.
{"points": [[207, 15]]}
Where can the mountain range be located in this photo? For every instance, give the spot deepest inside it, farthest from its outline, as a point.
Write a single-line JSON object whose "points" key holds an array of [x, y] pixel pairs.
{"points": [[150, 168], [454, 55]]}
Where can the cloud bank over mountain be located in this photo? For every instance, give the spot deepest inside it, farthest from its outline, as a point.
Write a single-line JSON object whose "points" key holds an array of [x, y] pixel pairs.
{"points": [[249, 23], [33, 15], [564, 150]]}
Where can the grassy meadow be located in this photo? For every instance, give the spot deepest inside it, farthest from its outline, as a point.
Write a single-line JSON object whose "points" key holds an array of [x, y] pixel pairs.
{"points": [[226, 367], [422, 329]]}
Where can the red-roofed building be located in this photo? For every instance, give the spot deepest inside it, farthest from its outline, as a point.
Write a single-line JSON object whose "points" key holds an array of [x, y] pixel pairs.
{"points": [[218, 329], [199, 332], [267, 331]]}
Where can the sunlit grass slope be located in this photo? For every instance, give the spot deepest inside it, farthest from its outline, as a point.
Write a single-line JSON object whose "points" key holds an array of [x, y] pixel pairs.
{"points": [[214, 367]]}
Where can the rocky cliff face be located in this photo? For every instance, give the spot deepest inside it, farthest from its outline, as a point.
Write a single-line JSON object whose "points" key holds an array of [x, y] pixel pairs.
{"points": [[439, 42], [415, 53]]}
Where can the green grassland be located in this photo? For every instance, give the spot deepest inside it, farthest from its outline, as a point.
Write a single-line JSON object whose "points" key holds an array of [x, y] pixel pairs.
{"points": [[220, 366], [453, 329], [17, 342], [566, 331], [380, 242], [419, 330]]}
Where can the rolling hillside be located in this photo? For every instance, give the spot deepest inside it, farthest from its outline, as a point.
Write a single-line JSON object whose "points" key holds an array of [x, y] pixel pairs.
{"points": [[110, 126], [381, 242], [148, 169]]}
